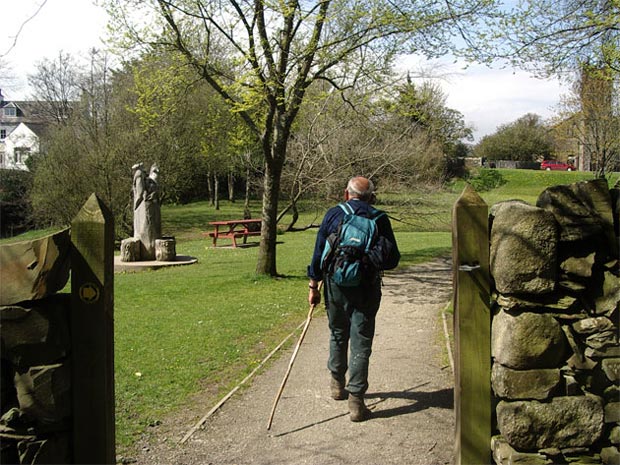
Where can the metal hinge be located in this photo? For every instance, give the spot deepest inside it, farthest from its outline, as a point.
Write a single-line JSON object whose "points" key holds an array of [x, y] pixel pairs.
{"points": [[469, 268]]}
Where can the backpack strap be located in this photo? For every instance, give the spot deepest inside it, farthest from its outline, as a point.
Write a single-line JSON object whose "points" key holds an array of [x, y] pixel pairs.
{"points": [[348, 209], [375, 214]]}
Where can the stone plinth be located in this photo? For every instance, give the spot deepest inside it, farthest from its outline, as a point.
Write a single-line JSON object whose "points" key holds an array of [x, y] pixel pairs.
{"points": [[165, 249]]}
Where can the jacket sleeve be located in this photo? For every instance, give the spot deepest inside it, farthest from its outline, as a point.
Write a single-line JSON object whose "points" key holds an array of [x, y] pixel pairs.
{"points": [[385, 231]]}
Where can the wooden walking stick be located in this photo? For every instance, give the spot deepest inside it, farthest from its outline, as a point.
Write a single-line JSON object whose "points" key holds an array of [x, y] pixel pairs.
{"points": [[290, 364]]}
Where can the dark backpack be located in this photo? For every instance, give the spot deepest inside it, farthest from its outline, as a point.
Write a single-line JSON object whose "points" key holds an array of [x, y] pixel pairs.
{"points": [[346, 254]]}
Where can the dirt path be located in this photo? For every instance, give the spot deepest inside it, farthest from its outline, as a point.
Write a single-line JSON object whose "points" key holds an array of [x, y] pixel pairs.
{"points": [[411, 395]]}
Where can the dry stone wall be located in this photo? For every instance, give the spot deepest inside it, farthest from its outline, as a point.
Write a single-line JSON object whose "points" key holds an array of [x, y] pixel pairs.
{"points": [[35, 344], [554, 334]]}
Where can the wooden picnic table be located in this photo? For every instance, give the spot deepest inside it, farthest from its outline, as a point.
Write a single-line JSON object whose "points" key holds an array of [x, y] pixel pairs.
{"points": [[233, 229]]}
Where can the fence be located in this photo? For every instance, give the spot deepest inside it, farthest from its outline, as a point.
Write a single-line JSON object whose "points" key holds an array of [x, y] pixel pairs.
{"points": [[57, 378]]}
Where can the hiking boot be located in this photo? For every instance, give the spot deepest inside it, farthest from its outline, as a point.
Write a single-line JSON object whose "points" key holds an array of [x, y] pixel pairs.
{"points": [[359, 411], [337, 389]]}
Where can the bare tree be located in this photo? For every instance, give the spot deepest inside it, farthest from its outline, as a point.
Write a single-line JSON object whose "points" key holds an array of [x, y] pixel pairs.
{"points": [[337, 137], [7, 75], [589, 120], [56, 87]]}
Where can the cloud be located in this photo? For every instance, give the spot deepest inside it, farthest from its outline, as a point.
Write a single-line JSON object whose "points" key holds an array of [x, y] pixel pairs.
{"points": [[34, 30], [490, 97], [487, 97]]}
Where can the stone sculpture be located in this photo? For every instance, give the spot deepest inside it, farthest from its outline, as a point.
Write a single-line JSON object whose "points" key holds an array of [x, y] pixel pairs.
{"points": [[146, 209], [146, 219]]}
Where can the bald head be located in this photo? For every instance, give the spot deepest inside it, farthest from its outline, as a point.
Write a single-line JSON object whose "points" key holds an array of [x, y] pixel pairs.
{"points": [[361, 188]]}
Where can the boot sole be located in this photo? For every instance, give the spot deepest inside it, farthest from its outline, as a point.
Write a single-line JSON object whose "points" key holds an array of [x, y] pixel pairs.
{"points": [[366, 416]]}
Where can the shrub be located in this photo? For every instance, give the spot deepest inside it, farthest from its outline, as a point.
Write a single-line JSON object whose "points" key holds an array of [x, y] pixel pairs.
{"points": [[15, 207], [486, 180]]}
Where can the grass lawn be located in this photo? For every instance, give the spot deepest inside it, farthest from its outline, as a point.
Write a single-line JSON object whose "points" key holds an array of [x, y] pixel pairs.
{"points": [[204, 327]]}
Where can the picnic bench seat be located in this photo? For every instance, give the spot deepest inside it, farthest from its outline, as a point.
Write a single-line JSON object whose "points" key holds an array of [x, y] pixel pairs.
{"points": [[233, 233]]}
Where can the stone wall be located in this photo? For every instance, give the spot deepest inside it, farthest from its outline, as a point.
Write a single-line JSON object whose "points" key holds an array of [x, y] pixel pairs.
{"points": [[554, 336], [35, 341], [57, 350]]}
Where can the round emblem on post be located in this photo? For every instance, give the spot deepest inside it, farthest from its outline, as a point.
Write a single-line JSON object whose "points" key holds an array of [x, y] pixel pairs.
{"points": [[89, 293]]}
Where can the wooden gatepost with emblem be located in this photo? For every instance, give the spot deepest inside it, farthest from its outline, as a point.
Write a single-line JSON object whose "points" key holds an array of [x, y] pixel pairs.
{"points": [[57, 360], [92, 323], [472, 329]]}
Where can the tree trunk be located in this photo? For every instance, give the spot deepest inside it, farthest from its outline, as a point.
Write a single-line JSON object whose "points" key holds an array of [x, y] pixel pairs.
{"points": [[267, 253], [246, 205], [231, 187], [294, 219], [216, 192], [210, 189], [275, 144]]}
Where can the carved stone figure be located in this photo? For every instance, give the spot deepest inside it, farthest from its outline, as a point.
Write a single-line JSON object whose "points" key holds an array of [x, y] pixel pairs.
{"points": [[146, 209]]}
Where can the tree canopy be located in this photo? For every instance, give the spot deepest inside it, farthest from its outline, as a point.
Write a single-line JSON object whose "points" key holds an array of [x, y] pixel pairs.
{"points": [[526, 139], [262, 57], [553, 37]]}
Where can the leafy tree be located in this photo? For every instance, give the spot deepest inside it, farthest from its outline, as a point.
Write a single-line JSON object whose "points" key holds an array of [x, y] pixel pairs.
{"points": [[91, 151], [424, 108], [174, 115], [278, 49], [338, 135], [526, 139], [15, 208], [190, 128], [554, 37]]}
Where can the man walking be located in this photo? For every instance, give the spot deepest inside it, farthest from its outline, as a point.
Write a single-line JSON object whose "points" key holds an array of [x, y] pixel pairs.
{"points": [[351, 311]]}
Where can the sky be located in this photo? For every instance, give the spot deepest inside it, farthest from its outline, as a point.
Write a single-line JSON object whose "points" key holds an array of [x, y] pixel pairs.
{"points": [[37, 29]]}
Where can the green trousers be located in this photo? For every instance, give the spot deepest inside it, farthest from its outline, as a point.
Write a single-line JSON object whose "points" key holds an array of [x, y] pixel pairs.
{"points": [[351, 312]]}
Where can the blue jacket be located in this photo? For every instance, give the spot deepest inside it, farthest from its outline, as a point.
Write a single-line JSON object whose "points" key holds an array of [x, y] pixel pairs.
{"points": [[330, 225]]}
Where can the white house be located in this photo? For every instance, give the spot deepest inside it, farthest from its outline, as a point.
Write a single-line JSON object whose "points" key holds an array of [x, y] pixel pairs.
{"points": [[18, 146], [20, 130]]}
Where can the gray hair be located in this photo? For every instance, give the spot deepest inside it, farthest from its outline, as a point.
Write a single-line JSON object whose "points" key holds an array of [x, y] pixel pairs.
{"points": [[353, 189]]}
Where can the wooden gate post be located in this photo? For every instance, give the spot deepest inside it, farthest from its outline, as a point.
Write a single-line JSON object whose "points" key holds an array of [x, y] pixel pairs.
{"points": [[92, 328], [472, 329]]}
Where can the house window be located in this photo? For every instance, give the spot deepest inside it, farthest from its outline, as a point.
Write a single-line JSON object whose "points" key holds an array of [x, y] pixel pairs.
{"points": [[10, 111], [2, 133]]}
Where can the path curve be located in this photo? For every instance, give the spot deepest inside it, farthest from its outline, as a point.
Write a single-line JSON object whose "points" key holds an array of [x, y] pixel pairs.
{"points": [[411, 395]]}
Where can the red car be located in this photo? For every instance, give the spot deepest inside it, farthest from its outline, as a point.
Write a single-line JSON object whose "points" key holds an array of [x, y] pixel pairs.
{"points": [[549, 165]]}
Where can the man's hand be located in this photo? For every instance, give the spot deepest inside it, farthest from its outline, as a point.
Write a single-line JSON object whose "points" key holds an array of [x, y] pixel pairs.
{"points": [[314, 297], [314, 294]]}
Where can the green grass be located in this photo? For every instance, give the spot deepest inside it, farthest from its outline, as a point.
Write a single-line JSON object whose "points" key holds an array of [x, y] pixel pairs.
{"points": [[204, 327], [528, 184], [30, 235]]}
